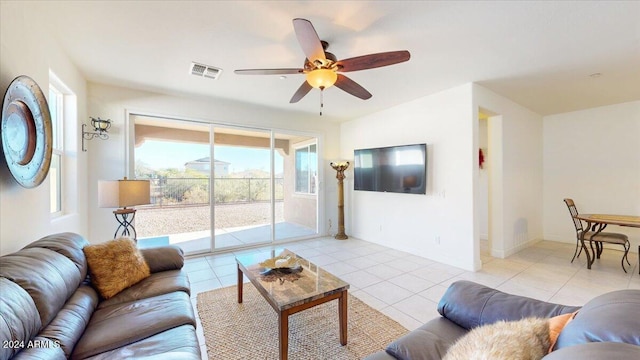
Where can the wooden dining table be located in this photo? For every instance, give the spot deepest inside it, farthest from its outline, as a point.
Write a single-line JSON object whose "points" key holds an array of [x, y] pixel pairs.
{"points": [[598, 222]]}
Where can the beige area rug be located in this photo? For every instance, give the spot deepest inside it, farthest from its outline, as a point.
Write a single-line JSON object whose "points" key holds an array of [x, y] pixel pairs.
{"points": [[249, 331]]}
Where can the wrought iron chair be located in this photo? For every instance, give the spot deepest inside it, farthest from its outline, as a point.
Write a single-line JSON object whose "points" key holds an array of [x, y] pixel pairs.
{"points": [[598, 239]]}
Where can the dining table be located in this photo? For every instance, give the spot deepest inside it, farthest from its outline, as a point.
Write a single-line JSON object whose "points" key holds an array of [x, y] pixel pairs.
{"points": [[598, 222]]}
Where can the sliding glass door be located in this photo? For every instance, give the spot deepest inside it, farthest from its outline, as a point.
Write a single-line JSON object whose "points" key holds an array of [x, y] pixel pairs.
{"points": [[175, 157], [242, 174], [220, 187]]}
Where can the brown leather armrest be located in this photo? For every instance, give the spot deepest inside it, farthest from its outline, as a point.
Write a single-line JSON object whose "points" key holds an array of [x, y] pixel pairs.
{"points": [[164, 258]]}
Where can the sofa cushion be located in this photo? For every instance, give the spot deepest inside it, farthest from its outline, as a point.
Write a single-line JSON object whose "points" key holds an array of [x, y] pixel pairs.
{"points": [[380, 355], [115, 265], [68, 244], [596, 351], [469, 305], [70, 322], [157, 284], [428, 342], [48, 276], [613, 317], [504, 340], [19, 318], [179, 343], [123, 324]]}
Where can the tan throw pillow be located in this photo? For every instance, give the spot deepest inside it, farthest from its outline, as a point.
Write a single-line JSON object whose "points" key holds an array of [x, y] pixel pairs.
{"points": [[526, 339], [115, 265], [556, 324]]}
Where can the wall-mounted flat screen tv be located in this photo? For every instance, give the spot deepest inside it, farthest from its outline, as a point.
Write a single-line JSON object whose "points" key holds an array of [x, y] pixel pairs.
{"points": [[400, 169]]}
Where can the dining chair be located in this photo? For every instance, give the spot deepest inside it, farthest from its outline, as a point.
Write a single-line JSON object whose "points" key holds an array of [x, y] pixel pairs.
{"points": [[599, 239]]}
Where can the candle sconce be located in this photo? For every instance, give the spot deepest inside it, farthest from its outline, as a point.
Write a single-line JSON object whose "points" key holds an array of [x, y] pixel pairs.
{"points": [[100, 130]]}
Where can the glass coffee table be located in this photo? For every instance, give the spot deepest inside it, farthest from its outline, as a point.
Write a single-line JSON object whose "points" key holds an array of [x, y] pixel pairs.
{"points": [[291, 289]]}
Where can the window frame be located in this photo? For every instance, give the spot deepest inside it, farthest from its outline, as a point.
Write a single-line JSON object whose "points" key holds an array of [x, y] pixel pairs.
{"points": [[309, 185], [57, 178]]}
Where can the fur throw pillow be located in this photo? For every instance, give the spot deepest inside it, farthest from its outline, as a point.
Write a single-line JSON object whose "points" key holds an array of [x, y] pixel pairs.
{"points": [[526, 339], [115, 265]]}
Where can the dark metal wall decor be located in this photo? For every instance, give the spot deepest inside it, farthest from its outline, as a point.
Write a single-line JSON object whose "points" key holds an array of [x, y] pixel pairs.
{"points": [[100, 129], [26, 132]]}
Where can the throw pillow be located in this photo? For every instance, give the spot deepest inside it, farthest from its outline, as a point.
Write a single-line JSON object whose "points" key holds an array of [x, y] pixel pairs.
{"points": [[556, 324], [526, 339], [115, 265]]}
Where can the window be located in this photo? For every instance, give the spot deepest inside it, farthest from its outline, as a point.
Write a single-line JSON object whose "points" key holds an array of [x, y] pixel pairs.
{"points": [[56, 108], [306, 169]]}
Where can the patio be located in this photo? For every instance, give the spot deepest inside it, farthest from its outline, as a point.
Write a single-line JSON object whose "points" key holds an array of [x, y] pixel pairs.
{"points": [[237, 225]]}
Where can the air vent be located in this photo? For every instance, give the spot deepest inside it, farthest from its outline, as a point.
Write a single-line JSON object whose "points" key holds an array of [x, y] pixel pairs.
{"points": [[207, 71]]}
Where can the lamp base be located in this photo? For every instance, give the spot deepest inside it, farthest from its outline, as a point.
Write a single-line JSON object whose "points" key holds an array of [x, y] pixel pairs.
{"points": [[126, 224]]}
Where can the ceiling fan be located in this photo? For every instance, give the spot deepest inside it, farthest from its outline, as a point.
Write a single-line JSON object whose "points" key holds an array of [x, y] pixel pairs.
{"points": [[323, 69]]}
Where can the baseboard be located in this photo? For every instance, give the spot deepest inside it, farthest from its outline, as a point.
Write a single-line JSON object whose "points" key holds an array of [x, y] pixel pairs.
{"points": [[506, 253]]}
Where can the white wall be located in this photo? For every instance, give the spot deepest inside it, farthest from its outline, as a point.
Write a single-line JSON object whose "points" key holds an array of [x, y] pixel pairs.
{"points": [[27, 49], [515, 138], [409, 222], [108, 159], [593, 157]]}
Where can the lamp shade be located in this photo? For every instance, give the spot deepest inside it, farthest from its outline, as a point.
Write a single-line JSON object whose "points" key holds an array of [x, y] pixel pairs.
{"points": [[123, 193], [322, 78]]}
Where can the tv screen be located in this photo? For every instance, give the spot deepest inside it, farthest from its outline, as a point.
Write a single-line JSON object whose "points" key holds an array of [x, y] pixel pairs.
{"points": [[400, 169]]}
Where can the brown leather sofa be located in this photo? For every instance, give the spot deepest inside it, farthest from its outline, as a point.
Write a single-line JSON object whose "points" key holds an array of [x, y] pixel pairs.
{"points": [[606, 327], [49, 310]]}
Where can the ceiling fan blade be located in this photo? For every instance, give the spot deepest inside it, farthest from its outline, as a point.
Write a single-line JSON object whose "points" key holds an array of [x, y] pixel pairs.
{"points": [[301, 92], [373, 60], [268, 71], [352, 87], [309, 40]]}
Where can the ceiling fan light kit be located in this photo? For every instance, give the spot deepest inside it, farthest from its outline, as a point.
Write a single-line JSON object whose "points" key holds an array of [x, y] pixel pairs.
{"points": [[322, 78], [323, 69]]}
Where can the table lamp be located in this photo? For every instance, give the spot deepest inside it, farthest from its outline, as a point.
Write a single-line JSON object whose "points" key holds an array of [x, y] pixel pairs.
{"points": [[122, 194]]}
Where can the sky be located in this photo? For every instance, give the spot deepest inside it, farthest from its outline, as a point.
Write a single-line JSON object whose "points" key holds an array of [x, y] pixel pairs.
{"points": [[164, 154]]}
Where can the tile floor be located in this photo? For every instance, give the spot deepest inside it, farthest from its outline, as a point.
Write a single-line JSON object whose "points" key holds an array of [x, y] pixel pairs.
{"points": [[407, 288]]}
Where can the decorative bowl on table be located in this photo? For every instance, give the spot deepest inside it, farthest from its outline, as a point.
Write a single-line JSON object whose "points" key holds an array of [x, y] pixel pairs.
{"points": [[282, 264]]}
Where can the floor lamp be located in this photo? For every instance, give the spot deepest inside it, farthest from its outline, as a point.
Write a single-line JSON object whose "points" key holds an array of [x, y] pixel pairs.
{"points": [[122, 194], [340, 167]]}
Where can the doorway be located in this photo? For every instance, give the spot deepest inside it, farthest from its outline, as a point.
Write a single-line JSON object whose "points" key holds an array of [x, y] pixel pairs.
{"points": [[489, 205], [483, 182]]}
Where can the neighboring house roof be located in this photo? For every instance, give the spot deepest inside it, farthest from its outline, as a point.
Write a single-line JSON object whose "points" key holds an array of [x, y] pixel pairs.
{"points": [[207, 160]]}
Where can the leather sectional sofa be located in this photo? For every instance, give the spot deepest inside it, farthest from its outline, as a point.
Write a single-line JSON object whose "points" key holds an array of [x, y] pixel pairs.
{"points": [[50, 310], [607, 327]]}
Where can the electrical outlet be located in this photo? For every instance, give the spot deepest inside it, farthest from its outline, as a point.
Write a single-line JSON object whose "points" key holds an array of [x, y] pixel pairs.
{"points": [[437, 239]]}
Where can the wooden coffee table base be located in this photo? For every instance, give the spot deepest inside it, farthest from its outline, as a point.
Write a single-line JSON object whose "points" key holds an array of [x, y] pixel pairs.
{"points": [[283, 316]]}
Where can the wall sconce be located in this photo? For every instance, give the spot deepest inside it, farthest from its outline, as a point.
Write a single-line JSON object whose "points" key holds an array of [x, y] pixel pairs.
{"points": [[100, 128]]}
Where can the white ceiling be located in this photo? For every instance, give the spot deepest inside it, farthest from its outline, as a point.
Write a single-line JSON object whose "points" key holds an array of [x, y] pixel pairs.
{"points": [[540, 54]]}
